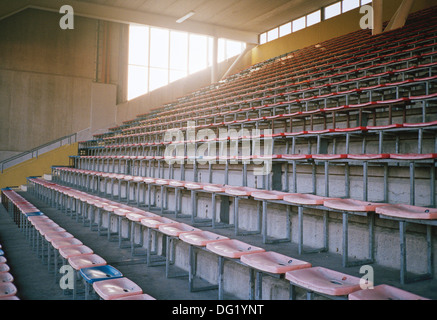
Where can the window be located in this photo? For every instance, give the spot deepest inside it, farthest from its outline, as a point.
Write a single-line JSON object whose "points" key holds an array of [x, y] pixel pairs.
{"points": [[158, 56], [263, 38], [310, 19], [299, 24], [273, 34], [138, 72], [178, 50], [138, 81], [198, 53], [314, 18], [333, 10], [178, 55], [233, 48], [350, 5], [159, 47], [285, 29], [158, 78], [139, 45]]}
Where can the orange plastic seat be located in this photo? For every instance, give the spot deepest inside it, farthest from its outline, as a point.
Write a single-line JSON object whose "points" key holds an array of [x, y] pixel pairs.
{"points": [[9, 298], [214, 188], [324, 281], [65, 242], [4, 268], [116, 288], [368, 156], [137, 216], [384, 292], [175, 229], [6, 277], [7, 289], [154, 223], [62, 235], [201, 238], [407, 211], [232, 248], [177, 183], [273, 262], [352, 205], [137, 297], [86, 261], [294, 156], [70, 252], [413, 156], [269, 195], [305, 199], [240, 191]]}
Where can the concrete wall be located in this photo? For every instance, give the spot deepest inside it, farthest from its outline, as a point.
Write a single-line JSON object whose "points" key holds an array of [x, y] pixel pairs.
{"points": [[47, 77], [16, 176]]}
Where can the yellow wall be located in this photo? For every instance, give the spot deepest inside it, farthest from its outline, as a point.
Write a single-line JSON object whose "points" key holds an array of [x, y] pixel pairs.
{"points": [[16, 175], [323, 31]]}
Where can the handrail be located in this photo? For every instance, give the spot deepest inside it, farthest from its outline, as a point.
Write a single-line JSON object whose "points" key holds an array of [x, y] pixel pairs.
{"points": [[35, 152]]}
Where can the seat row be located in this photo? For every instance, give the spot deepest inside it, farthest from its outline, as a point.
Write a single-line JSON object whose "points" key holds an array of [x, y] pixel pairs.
{"points": [[107, 282], [403, 214], [299, 273], [147, 142], [295, 64], [136, 145], [298, 110], [8, 291], [245, 80]]}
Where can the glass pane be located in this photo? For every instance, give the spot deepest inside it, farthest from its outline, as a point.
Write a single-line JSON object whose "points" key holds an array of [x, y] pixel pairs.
{"points": [[285, 29], [179, 50], [159, 47], [298, 24], [272, 34], [198, 53], [158, 78], [177, 74], [263, 38], [333, 10], [313, 18], [350, 4], [363, 2], [137, 81], [139, 45], [210, 50], [221, 50], [233, 48]]}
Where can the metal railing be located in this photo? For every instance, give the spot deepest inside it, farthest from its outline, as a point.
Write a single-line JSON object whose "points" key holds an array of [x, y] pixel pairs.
{"points": [[36, 152]]}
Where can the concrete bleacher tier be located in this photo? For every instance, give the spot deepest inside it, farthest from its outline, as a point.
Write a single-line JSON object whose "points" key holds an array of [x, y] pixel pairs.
{"points": [[346, 133]]}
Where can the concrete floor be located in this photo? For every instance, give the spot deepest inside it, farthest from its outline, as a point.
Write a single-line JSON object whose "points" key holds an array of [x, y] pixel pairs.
{"points": [[35, 283]]}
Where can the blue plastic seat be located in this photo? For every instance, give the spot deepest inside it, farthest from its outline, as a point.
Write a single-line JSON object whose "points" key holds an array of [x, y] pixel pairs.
{"points": [[100, 273], [94, 274]]}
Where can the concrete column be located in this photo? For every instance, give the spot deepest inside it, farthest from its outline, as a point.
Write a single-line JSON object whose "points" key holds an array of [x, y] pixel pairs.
{"points": [[377, 16], [214, 69]]}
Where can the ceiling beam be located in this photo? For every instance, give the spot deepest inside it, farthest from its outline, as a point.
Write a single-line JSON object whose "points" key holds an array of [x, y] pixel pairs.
{"points": [[120, 15], [9, 8]]}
